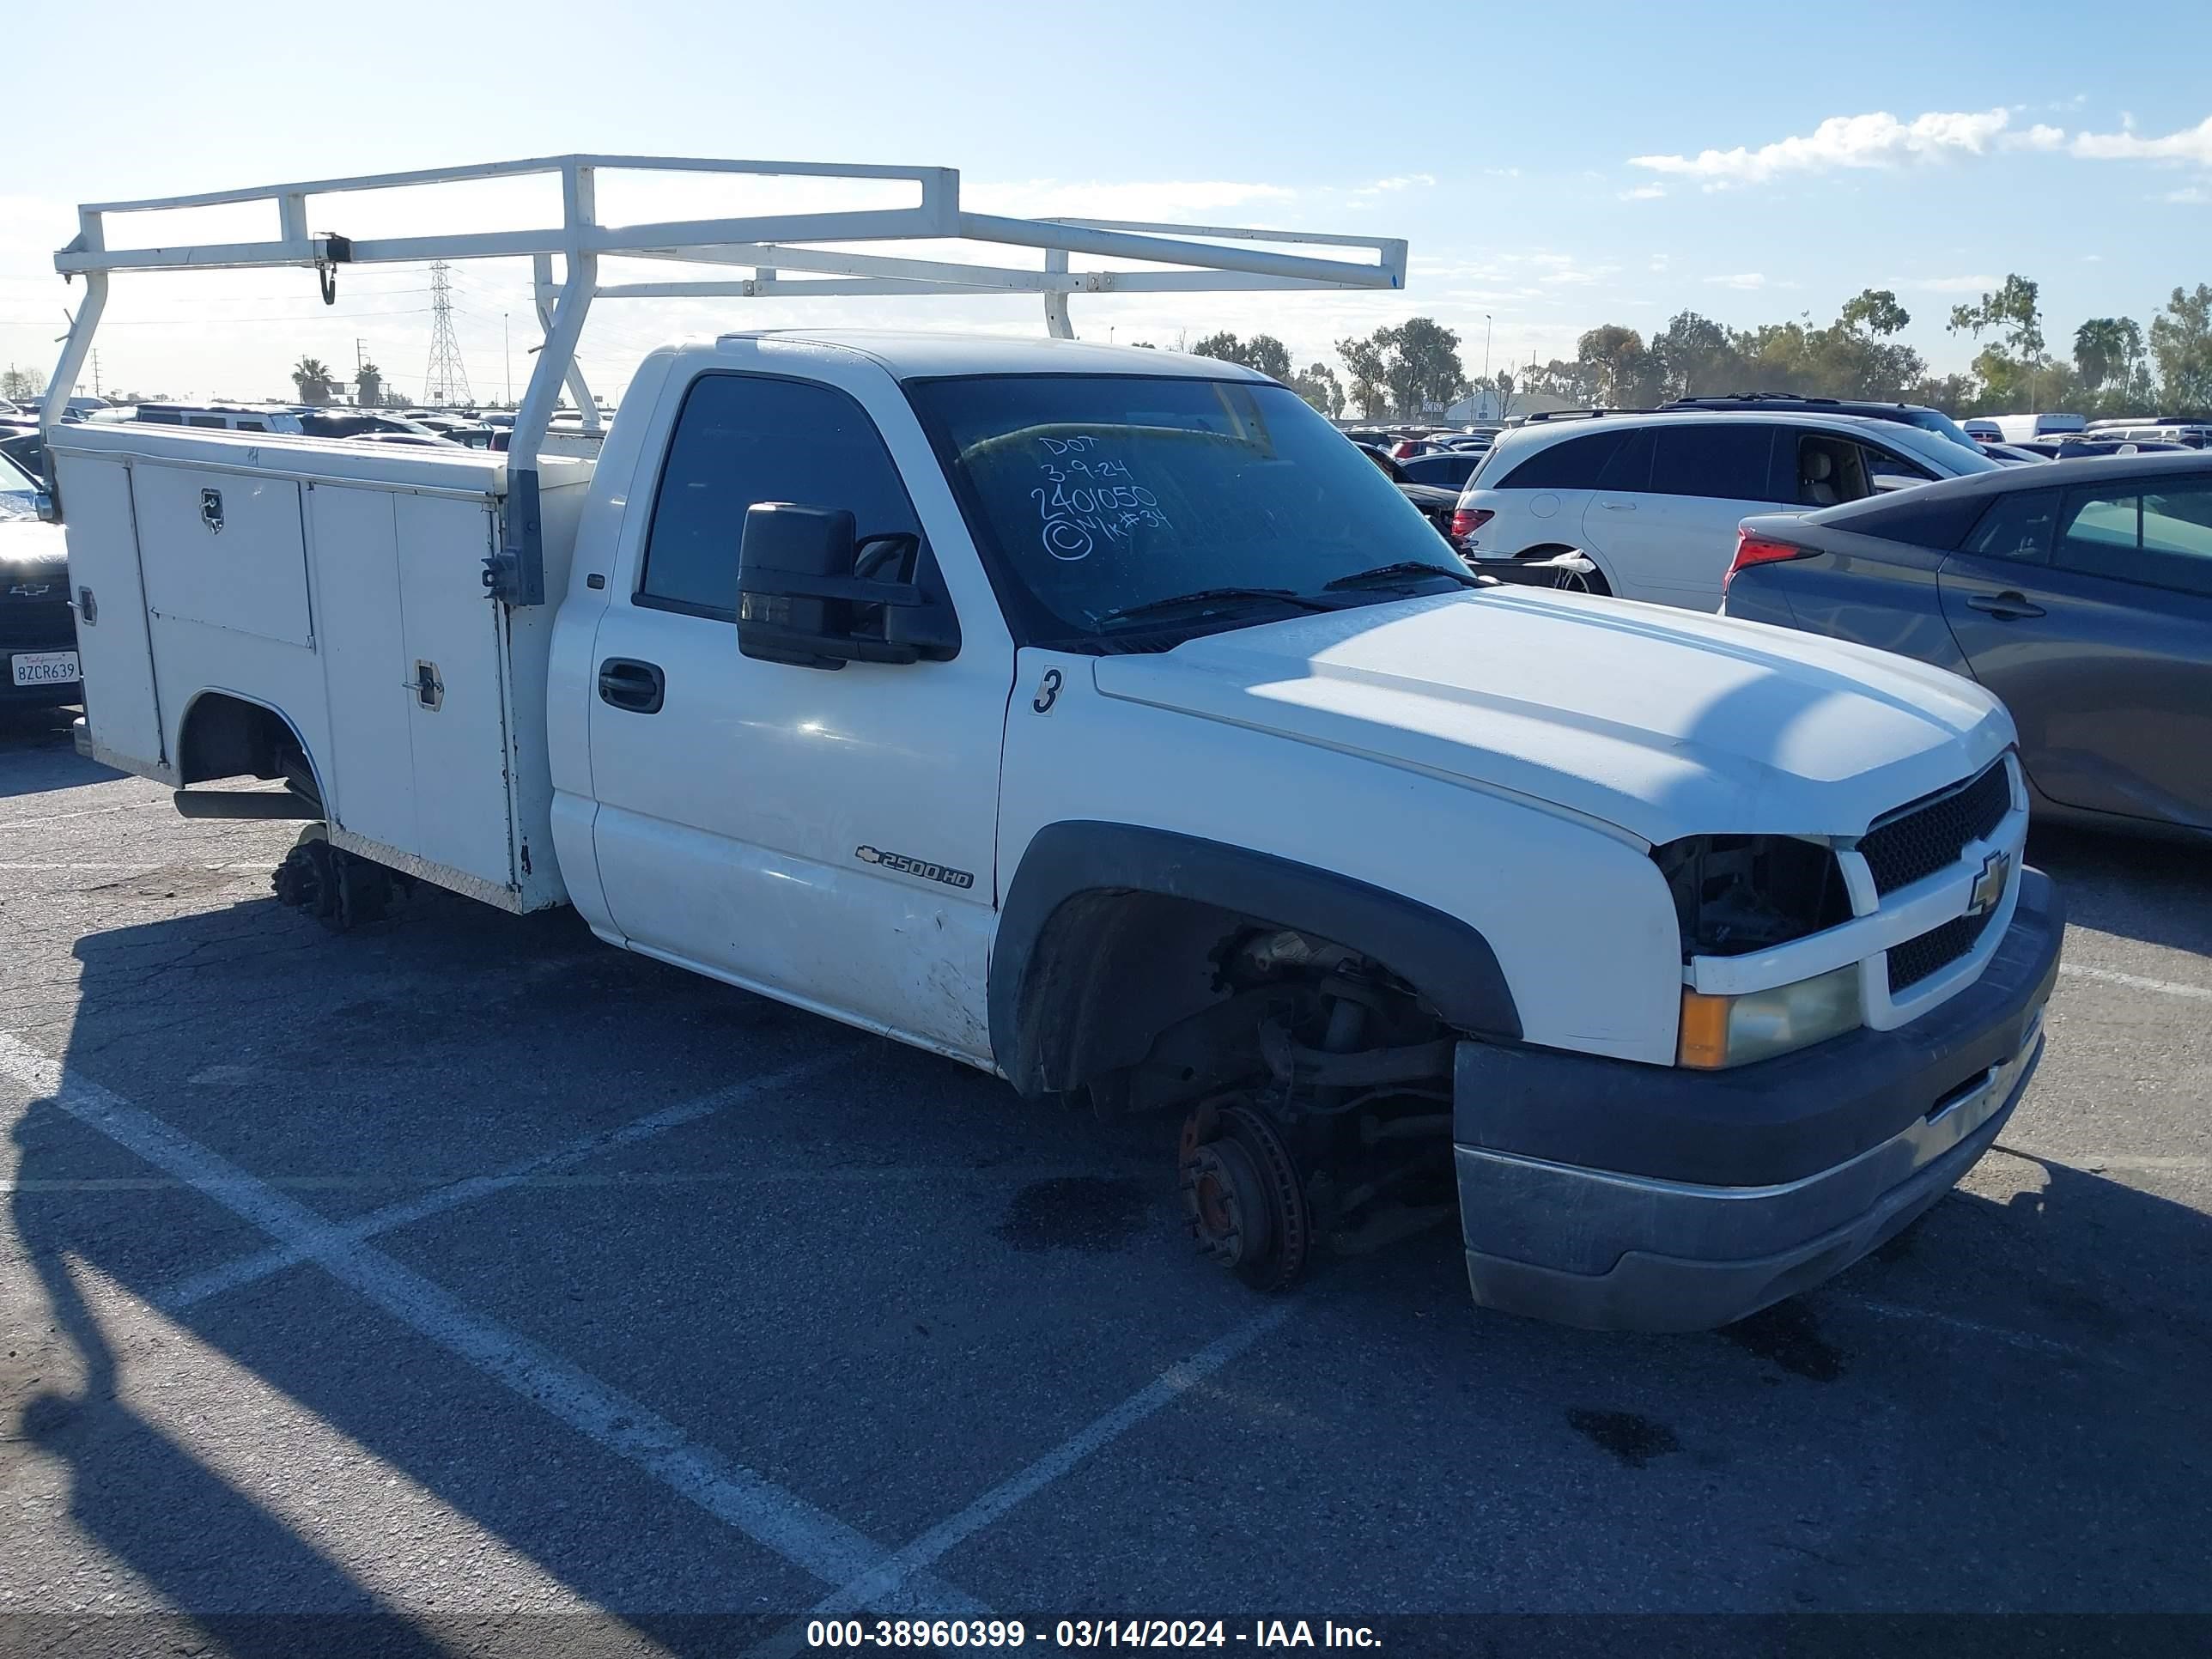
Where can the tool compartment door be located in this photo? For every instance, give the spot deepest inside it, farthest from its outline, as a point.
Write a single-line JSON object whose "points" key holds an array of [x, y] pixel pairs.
{"points": [[457, 678], [114, 647]]}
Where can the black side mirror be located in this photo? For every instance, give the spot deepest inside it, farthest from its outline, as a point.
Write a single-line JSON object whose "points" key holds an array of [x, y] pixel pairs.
{"points": [[800, 602]]}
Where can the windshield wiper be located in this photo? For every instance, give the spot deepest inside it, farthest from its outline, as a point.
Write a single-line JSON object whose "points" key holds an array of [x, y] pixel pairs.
{"points": [[1384, 574], [1209, 596]]}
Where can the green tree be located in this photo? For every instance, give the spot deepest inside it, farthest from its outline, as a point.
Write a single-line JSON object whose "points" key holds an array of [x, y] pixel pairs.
{"points": [[1318, 385], [2009, 367], [1426, 372], [1873, 310], [1693, 356], [1364, 368], [21, 385], [2181, 341], [314, 380], [1262, 352], [2106, 348], [1623, 374], [368, 385]]}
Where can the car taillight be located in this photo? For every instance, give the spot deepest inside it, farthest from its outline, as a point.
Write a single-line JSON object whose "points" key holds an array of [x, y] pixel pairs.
{"points": [[1468, 519], [1752, 549]]}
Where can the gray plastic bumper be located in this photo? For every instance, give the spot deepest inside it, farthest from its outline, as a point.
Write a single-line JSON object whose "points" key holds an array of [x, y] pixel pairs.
{"points": [[1624, 1249]]}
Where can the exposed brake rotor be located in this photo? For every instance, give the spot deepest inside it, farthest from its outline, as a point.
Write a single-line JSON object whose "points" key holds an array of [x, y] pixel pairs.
{"points": [[1242, 1193]]}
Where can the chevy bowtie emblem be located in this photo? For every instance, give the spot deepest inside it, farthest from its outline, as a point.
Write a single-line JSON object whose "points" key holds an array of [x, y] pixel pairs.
{"points": [[1990, 885], [30, 590]]}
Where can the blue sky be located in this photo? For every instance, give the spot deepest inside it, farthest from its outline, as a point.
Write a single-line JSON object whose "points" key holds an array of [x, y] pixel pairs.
{"points": [[1548, 163]]}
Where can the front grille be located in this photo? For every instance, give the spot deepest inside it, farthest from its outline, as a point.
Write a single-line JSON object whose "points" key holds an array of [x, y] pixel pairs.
{"points": [[1919, 839], [1935, 950], [41, 624]]}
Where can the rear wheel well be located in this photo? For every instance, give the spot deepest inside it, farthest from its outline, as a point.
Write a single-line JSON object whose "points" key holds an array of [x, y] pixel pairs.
{"points": [[227, 736]]}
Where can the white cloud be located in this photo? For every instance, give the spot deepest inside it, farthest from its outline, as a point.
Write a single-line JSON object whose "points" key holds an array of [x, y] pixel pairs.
{"points": [[1747, 279], [1879, 139], [2038, 137], [1397, 181], [1643, 194], [1952, 284], [2191, 194], [2190, 145]]}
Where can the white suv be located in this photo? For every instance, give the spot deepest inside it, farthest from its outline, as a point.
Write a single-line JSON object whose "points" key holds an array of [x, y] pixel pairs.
{"points": [[1653, 499]]}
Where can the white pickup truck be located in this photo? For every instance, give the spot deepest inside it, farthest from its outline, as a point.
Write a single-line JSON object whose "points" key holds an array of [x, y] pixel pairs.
{"points": [[1101, 719]]}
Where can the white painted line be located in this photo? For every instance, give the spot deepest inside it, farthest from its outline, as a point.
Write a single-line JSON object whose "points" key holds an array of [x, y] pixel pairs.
{"points": [[883, 1579], [90, 812], [261, 1263], [1973, 1327], [793, 1529], [583, 1180], [2137, 981], [265, 867]]}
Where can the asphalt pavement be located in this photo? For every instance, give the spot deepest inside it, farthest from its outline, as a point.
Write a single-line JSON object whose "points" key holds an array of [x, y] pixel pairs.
{"points": [[464, 1279]]}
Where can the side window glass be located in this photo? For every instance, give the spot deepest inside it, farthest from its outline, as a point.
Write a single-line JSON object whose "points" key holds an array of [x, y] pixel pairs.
{"points": [[1884, 460], [2161, 538], [1723, 463], [1629, 471], [1830, 470], [2016, 526], [740, 440], [1574, 465]]}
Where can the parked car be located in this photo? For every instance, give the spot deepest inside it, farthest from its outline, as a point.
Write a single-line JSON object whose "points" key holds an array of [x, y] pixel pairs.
{"points": [[20, 443], [1983, 430], [37, 630], [1438, 502], [2165, 429], [1654, 499], [1443, 469], [2088, 445], [330, 422], [1919, 414], [2025, 428], [2080, 594], [223, 418]]}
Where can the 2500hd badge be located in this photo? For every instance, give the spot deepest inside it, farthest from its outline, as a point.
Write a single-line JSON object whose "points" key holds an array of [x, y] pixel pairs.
{"points": [[922, 867]]}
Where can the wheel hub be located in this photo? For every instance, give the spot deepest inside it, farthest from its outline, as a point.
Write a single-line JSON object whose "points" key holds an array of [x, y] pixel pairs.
{"points": [[1246, 1207]]}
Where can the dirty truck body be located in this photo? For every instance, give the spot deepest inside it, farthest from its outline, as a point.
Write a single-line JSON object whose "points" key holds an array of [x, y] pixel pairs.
{"points": [[1098, 718]]}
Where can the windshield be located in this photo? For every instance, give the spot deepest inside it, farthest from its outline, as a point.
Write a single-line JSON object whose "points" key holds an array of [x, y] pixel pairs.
{"points": [[1934, 420], [19, 491], [1953, 458], [1093, 496]]}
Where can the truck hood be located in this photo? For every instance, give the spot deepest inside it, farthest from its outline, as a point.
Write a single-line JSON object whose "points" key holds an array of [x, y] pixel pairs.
{"points": [[1661, 723], [30, 541]]}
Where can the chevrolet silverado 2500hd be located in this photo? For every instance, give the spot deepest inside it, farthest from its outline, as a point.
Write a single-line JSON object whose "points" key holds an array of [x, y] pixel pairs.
{"points": [[1101, 719]]}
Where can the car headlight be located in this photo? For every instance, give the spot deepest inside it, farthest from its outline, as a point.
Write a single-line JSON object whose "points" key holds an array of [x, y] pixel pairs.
{"points": [[1719, 1032]]}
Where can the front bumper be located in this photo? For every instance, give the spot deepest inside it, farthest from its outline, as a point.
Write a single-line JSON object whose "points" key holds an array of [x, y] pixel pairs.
{"points": [[1623, 1197]]}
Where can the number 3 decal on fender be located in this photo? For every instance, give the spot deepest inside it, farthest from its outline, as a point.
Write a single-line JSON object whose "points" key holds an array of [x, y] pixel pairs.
{"points": [[1048, 691]]}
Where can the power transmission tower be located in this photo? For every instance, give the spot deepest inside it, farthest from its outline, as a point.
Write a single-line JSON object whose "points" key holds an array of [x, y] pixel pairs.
{"points": [[446, 382]]}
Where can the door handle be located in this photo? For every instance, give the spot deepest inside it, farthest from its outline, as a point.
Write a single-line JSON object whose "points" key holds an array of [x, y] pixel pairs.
{"points": [[627, 683], [2010, 606]]}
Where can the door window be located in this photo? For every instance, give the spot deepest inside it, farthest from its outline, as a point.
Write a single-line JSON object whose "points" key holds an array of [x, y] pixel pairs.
{"points": [[1830, 470], [1628, 472], [1724, 462], [742, 440], [2017, 526], [2160, 538]]}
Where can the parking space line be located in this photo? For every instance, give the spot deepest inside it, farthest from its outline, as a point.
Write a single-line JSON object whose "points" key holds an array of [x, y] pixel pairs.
{"points": [[2136, 982], [261, 1263], [263, 867], [783, 1521], [884, 1579], [1974, 1328]]}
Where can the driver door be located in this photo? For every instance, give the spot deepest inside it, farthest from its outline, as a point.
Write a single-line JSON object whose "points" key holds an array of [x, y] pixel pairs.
{"points": [[767, 824]]}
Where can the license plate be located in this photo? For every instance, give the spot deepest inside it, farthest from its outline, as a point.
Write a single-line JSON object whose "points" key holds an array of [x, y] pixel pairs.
{"points": [[46, 668]]}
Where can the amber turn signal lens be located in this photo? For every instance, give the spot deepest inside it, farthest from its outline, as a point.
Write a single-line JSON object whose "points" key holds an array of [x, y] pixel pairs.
{"points": [[1704, 1030]]}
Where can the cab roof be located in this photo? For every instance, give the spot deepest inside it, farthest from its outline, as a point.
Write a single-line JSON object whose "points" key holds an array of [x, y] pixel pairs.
{"points": [[916, 354]]}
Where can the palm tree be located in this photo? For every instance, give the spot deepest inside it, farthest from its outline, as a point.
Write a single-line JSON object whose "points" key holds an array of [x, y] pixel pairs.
{"points": [[313, 378], [2106, 348], [368, 385]]}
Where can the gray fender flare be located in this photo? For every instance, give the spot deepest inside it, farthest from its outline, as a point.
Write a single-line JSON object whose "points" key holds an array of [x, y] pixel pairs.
{"points": [[1445, 959]]}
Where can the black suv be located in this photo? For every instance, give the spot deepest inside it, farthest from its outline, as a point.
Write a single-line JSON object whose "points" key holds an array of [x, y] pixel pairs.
{"points": [[1928, 420]]}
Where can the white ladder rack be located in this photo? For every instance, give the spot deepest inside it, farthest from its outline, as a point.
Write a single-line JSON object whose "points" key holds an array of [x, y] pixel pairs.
{"points": [[783, 252]]}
